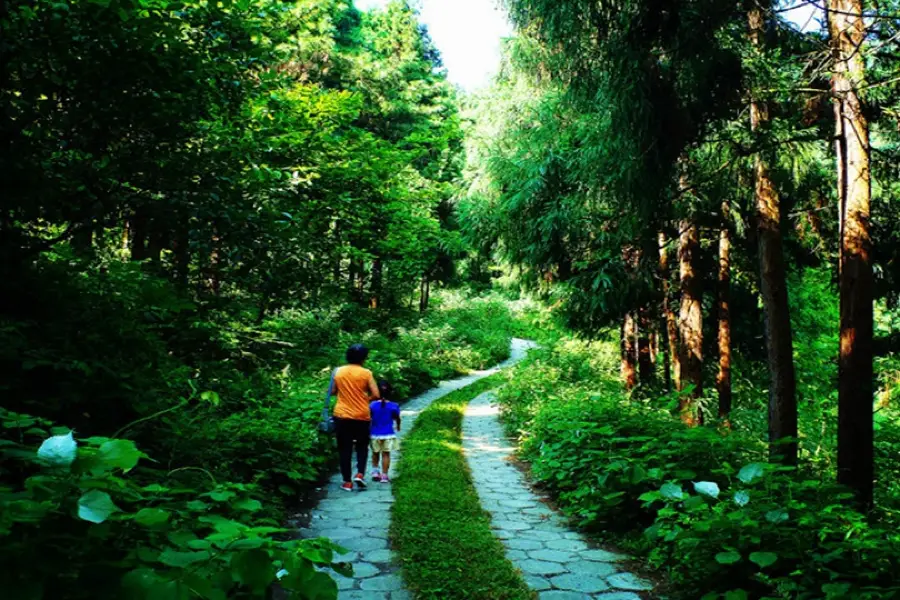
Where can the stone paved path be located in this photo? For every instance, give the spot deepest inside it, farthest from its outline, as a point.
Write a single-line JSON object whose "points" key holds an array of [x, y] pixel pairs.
{"points": [[359, 521], [555, 561]]}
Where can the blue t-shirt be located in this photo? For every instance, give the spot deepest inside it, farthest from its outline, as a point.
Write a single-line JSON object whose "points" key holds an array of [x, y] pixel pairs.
{"points": [[383, 416]]}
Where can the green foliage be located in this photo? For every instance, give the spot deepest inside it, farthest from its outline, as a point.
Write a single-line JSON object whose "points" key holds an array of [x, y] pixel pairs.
{"points": [[443, 536], [78, 523], [700, 504]]}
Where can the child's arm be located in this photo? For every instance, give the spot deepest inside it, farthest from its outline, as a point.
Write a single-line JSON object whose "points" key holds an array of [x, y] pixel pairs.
{"points": [[397, 419]]}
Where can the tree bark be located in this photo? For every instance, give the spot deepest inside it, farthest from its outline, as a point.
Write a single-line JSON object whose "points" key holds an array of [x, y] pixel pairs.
{"points": [[182, 252], [375, 285], [855, 370], [671, 326], [773, 285], [691, 322], [723, 377], [139, 234], [645, 349], [629, 351]]}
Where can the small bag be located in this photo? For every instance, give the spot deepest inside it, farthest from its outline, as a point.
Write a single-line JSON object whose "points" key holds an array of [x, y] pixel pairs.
{"points": [[327, 423]]}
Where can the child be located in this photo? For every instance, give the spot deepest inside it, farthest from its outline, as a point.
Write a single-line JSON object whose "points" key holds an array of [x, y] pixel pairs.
{"points": [[384, 437]]}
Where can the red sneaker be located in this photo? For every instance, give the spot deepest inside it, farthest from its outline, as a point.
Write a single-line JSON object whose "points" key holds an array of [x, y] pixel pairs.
{"points": [[347, 486], [360, 480]]}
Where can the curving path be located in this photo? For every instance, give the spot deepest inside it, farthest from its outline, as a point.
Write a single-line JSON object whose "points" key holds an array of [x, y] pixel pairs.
{"points": [[359, 521], [555, 561]]}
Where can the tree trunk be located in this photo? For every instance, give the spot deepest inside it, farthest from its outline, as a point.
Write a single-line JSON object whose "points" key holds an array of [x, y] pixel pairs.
{"points": [[855, 371], [139, 234], [156, 241], [691, 322], [375, 286], [83, 239], [773, 285], [213, 281], [182, 252], [628, 351], [723, 377], [671, 326], [424, 293], [645, 354]]}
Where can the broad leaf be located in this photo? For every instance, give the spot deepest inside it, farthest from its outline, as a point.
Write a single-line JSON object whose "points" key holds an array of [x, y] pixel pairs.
{"points": [[707, 488], [728, 558], [96, 506], [672, 491], [151, 517], [59, 450], [122, 454], [763, 559], [750, 473]]}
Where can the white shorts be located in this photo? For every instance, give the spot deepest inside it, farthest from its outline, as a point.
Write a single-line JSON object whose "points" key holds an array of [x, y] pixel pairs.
{"points": [[384, 444]]}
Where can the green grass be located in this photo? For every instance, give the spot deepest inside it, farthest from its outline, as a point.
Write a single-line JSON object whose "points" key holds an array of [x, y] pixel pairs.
{"points": [[442, 535]]}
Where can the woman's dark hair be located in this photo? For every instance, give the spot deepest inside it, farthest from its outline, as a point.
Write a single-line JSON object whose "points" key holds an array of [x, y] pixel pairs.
{"points": [[357, 354], [385, 390]]}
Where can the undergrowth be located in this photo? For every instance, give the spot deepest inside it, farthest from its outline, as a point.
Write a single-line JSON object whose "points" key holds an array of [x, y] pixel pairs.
{"points": [[701, 504], [192, 427], [441, 533]]}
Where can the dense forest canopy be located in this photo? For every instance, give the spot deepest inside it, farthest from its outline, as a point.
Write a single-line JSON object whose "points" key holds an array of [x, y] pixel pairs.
{"points": [[204, 202]]}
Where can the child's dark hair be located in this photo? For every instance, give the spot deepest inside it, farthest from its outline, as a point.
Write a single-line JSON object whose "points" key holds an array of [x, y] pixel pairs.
{"points": [[357, 354], [385, 390]]}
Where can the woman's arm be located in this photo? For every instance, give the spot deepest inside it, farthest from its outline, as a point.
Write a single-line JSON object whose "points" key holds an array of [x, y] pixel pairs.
{"points": [[373, 389]]}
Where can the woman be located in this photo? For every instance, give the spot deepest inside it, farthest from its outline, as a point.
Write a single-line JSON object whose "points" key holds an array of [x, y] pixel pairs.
{"points": [[355, 388]]}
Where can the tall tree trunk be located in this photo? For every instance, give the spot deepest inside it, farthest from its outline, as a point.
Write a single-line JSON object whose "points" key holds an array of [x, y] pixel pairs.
{"points": [[139, 227], [855, 371], [773, 285], [375, 285], [424, 293], [351, 277], [156, 241], [691, 322], [182, 250], [671, 326], [126, 234], [723, 377], [83, 239], [645, 355], [628, 350], [214, 283]]}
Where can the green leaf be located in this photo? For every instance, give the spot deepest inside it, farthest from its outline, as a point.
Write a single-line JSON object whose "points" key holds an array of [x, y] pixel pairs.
{"points": [[763, 559], [151, 517], [750, 473], [211, 397], [248, 504], [175, 558], [253, 568], [672, 491], [736, 595], [728, 558], [122, 454], [96, 506], [777, 516], [221, 495], [836, 590]]}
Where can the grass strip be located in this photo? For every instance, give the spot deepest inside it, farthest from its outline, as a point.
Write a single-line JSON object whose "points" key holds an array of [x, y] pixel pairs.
{"points": [[441, 534]]}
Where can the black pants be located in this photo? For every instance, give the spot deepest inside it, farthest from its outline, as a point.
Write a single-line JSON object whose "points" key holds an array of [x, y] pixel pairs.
{"points": [[348, 430]]}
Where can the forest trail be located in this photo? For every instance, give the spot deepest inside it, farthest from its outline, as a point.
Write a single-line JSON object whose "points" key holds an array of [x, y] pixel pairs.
{"points": [[555, 561], [359, 521]]}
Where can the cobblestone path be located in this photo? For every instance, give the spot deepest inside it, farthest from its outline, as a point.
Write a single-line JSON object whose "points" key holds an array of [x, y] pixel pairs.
{"points": [[359, 521], [555, 561]]}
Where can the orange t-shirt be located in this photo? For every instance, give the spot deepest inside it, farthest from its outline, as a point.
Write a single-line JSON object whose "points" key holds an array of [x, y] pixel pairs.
{"points": [[355, 388]]}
